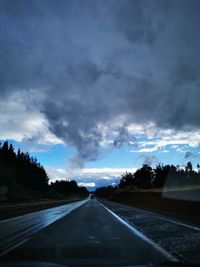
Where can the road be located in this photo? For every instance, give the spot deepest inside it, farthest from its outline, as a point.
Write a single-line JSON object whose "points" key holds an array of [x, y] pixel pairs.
{"points": [[16, 230], [88, 234]]}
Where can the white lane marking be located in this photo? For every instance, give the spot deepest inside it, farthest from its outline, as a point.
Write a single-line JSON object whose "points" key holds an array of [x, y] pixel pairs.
{"points": [[13, 247], [179, 223], [165, 219], [142, 236]]}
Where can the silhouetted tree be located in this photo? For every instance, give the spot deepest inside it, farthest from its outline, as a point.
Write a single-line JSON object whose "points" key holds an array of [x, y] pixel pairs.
{"points": [[127, 179], [161, 174], [105, 192], [198, 168], [188, 167], [144, 176], [19, 168], [68, 188]]}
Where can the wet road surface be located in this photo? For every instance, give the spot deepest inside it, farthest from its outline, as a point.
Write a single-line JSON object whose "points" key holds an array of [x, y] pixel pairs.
{"points": [[90, 234], [15, 230]]}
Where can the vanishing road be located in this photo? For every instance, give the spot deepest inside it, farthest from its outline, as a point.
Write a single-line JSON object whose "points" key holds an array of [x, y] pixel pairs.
{"points": [[84, 232]]}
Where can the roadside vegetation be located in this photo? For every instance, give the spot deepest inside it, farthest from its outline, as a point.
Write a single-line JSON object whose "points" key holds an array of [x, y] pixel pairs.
{"points": [[168, 189], [27, 180], [163, 177]]}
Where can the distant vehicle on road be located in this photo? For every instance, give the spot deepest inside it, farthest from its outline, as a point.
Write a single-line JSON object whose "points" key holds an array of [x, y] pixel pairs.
{"points": [[91, 196]]}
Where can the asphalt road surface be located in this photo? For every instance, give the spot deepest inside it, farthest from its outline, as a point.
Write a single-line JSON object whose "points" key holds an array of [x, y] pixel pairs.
{"points": [[90, 234], [16, 230]]}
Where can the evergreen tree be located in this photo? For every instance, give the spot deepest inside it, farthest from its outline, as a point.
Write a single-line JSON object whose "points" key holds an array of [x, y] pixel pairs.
{"points": [[19, 168]]}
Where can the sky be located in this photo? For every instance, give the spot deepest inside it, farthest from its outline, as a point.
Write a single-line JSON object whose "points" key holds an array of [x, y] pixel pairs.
{"points": [[93, 88]]}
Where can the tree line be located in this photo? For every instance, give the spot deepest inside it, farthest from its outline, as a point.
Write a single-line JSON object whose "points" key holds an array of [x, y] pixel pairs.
{"points": [[162, 175], [68, 188], [148, 177], [20, 170]]}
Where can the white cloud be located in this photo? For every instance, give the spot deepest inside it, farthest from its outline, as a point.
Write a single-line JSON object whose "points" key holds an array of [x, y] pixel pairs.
{"points": [[89, 177], [165, 151], [21, 121], [147, 138], [180, 150], [87, 184], [105, 170], [156, 139], [103, 173], [146, 150]]}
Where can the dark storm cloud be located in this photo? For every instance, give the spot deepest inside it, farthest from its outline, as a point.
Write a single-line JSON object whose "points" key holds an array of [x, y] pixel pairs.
{"points": [[91, 62], [134, 19]]}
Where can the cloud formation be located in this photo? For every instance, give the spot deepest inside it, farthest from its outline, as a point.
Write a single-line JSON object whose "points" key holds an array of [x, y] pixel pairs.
{"points": [[89, 177], [96, 67]]}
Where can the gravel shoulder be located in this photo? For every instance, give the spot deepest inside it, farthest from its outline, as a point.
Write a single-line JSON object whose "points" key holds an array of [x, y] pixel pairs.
{"points": [[177, 237]]}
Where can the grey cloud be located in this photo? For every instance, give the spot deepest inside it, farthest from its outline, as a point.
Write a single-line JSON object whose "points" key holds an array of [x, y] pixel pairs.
{"points": [[184, 73], [90, 62], [123, 137], [74, 122], [136, 21], [149, 159], [188, 154]]}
